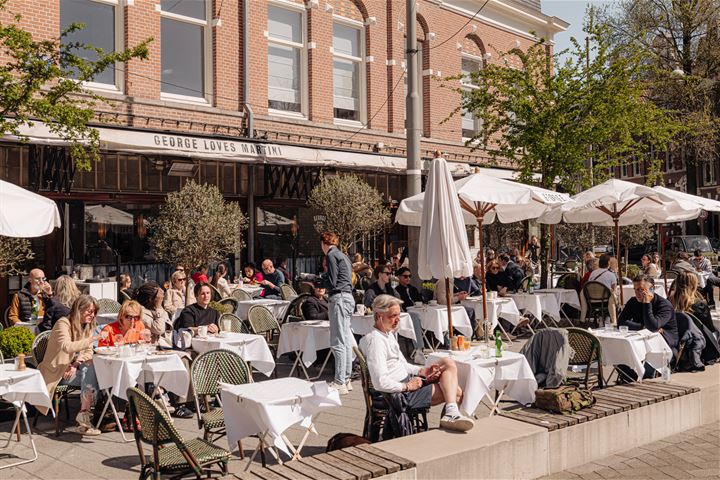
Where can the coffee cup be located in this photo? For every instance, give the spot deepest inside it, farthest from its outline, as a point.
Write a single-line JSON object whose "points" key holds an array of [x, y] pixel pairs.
{"points": [[432, 302], [418, 304], [202, 331], [360, 309]]}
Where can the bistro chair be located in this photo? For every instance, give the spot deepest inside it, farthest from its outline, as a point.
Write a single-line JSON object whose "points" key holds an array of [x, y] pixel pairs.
{"points": [[124, 296], [571, 263], [216, 295], [597, 297], [376, 408], [236, 324], [206, 372], [240, 295], [287, 292], [171, 453], [587, 351], [39, 347], [569, 281], [263, 322], [230, 301], [5, 319], [670, 275], [294, 311], [107, 305]]}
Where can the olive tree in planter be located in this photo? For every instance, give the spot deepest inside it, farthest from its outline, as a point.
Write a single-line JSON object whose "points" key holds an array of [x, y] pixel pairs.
{"points": [[350, 208], [197, 226]]}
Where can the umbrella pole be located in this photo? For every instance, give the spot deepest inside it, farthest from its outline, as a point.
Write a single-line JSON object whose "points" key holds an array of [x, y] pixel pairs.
{"points": [[616, 220], [483, 286], [662, 258], [448, 302]]}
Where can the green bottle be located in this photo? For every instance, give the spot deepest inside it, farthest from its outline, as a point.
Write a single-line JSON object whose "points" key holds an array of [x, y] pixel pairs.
{"points": [[498, 344]]}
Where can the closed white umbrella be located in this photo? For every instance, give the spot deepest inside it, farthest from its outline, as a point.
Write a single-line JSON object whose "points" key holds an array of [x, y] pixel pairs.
{"points": [[443, 250], [25, 214]]}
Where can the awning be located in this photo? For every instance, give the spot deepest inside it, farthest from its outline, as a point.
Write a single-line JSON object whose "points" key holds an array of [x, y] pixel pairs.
{"points": [[187, 146]]}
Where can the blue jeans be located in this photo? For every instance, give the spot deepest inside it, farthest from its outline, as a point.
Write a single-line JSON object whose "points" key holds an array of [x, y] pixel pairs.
{"points": [[341, 306], [85, 379]]}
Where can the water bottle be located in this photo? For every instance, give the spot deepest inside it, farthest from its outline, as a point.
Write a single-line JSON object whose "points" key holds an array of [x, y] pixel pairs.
{"points": [[498, 344], [531, 285], [666, 373]]}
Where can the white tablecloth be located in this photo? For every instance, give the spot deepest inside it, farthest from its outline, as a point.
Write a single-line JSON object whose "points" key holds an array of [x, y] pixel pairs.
{"points": [[434, 318], [252, 348], [564, 296], [364, 324], [122, 373], [629, 292], [277, 307], [23, 386], [634, 349], [306, 337], [537, 304], [702, 279], [272, 407], [479, 377], [496, 308]]}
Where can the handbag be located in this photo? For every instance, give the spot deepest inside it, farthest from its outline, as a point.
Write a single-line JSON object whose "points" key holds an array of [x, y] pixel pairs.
{"points": [[564, 399]]}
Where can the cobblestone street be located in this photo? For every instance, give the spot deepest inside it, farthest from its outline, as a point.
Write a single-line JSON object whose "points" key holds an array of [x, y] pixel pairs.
{"points": [[691, 454]]}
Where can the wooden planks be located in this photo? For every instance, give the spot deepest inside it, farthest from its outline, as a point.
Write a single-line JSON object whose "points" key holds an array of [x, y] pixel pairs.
{"points": [[609, 401]]}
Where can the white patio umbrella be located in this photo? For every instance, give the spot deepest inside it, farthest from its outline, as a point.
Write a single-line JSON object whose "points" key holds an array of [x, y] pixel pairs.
{"points": [[707, 204], [484, 199], [25, 214], [443, 249], [109, 215], [616, 203]]}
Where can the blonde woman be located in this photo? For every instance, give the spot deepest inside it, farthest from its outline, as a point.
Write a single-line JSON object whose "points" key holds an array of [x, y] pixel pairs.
{"points": [[66, 292], [68, 359], [686, 299], [175, 295]]}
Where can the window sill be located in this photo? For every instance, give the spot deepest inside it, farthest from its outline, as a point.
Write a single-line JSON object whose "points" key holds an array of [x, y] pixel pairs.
{"points": [[172, 97], [349, 123], [286, 114], [102, 88]]}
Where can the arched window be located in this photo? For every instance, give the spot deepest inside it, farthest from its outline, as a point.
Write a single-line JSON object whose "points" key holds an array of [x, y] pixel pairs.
{"points": [[471, 61]]}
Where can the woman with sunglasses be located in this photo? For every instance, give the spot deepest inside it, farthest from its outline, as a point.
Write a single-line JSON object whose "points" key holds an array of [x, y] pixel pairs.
{"points": [[68, 359], [496, 278], [175, 295], [126, 329]]}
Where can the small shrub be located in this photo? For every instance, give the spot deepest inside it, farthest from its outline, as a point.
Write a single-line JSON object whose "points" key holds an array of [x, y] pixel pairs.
{"points": [[16, 340], [221, 307]]}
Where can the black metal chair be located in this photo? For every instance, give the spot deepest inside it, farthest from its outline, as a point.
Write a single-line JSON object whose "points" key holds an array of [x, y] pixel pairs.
{"points": [[294, 310], [172, 454], [587, 351]]}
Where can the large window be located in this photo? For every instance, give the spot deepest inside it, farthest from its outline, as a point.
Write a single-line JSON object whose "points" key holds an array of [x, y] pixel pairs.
{"points": [[348, 78], [185, 40], [101, 30], [709, 170], [286, 59], [468, 66]]}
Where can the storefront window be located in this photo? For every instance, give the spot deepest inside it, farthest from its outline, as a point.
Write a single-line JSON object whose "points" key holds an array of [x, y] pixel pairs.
{"points": [[117, 229]]}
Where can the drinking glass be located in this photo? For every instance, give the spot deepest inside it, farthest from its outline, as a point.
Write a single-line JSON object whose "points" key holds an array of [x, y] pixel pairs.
{"points": [[227, 325], [119, 340], [624, 329]]}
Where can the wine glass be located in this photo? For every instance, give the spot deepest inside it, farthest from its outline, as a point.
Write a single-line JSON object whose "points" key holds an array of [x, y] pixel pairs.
{"points": [[103, 342], [119, 340], [146, 337]]}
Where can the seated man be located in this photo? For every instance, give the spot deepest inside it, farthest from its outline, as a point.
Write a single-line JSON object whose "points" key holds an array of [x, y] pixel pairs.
{"points": [[381, 286], [34, 297], [199, 313], [316, 306], [603, 274], [272, 279], [391, 373], [407, 292], [652, 312], [512, 270]]}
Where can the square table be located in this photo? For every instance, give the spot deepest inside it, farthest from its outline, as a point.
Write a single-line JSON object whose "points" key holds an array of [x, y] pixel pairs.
{"points": [[509, 375], [634, 349], [500, 307], [564, 296], [277, 307], [20, 387], [116, 374], [364, 324], [305, 339], [434, 318], [267, 409], [538, 304], [252, 348]]}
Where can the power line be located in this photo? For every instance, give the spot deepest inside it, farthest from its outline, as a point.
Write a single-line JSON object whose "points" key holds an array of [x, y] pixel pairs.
{"points": [[461, 28], [378, 110]]}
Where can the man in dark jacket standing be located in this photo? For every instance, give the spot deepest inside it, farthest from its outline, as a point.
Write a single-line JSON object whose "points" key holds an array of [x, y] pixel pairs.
{"points": [[341, 305]]}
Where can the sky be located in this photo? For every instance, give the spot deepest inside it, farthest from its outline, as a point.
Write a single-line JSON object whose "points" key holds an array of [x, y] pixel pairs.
{"points": [[573, 12]]}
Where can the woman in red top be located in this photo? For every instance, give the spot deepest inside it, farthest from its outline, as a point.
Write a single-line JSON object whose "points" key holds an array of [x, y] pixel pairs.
{"points": [[200, 275], [129, 325]]}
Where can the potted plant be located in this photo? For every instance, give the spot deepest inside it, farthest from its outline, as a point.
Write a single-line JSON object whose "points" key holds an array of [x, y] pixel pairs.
{"points": [[16, 340]]}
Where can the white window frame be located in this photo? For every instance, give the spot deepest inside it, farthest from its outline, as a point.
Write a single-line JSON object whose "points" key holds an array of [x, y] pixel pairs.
{"points": [[361, 61], [302, 46], [469, 86], [118, 86], [624, 170], [206, 98], [636, 168], [709, 167]]}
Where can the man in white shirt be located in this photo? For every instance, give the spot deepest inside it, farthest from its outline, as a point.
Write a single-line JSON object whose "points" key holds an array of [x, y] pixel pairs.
{"points": [[391, 373], [603, 275]]}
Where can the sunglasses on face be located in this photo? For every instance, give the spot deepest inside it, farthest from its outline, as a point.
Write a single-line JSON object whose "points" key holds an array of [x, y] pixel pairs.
{"points": [[181, 279], [132, 317]]}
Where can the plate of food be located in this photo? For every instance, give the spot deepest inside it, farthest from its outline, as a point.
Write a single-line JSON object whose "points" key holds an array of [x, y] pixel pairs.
{"points": [[106, 350]]}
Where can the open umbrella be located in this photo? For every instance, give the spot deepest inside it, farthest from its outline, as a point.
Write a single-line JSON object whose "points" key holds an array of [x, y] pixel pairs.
{"points": [[25, 214], [443, 248], [617, 202], [484, 199]]}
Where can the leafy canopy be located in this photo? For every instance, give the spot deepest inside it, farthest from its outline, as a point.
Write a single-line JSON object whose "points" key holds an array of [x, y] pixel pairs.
{"points": [[351, 208], [549, 117], [196, 226], [42, 80]]}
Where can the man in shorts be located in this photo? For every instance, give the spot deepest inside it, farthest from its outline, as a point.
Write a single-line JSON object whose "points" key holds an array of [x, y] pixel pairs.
{"points": [[391, 373]]}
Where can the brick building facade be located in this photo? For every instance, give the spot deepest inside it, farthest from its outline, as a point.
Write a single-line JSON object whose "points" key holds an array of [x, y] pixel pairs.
{"points": [[324, 84]]}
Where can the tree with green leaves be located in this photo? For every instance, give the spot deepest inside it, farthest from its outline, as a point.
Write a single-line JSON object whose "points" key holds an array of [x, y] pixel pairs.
{"points": [[14, 255], [350, 208], [196, 226], [42, 80]]}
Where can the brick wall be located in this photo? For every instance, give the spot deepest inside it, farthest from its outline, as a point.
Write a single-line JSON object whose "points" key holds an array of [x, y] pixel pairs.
{"points": [[141, 104]]}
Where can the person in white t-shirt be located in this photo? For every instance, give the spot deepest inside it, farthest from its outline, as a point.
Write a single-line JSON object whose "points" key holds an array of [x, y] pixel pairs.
{"points": [[603, 274], [391, 373]]}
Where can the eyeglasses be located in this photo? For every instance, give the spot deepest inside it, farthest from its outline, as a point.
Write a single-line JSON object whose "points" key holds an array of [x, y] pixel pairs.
{"points": [[132, 317]]}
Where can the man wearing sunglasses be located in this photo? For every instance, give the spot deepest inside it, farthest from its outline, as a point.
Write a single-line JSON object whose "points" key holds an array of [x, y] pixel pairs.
{"points": [[381, 286], [34, 297], [408, 293]]}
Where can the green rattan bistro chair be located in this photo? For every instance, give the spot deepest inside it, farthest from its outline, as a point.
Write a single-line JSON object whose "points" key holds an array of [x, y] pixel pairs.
{"points": [[107, 305], [216, 295], [240, 295], [171, 453], [263, 322], [206, 372], [294, 310], [376, 406], [61, 393], [587, 351], [237, 325], [288, 292]]}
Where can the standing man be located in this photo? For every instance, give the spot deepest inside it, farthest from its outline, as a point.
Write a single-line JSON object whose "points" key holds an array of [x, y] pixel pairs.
{"points": [[35, 296], [341, 306]]}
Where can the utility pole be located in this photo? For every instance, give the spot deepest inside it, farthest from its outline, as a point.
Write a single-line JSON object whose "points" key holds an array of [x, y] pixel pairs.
{"points": [[412, 128]]}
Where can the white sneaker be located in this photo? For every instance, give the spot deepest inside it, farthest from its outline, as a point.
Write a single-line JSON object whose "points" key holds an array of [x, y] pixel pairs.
{"points": [[342, 389], [458, 423], [419, 358], [349, 386]]}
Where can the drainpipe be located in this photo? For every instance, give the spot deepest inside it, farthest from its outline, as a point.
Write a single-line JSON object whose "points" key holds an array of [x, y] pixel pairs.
{"points": [[250, 132]]}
